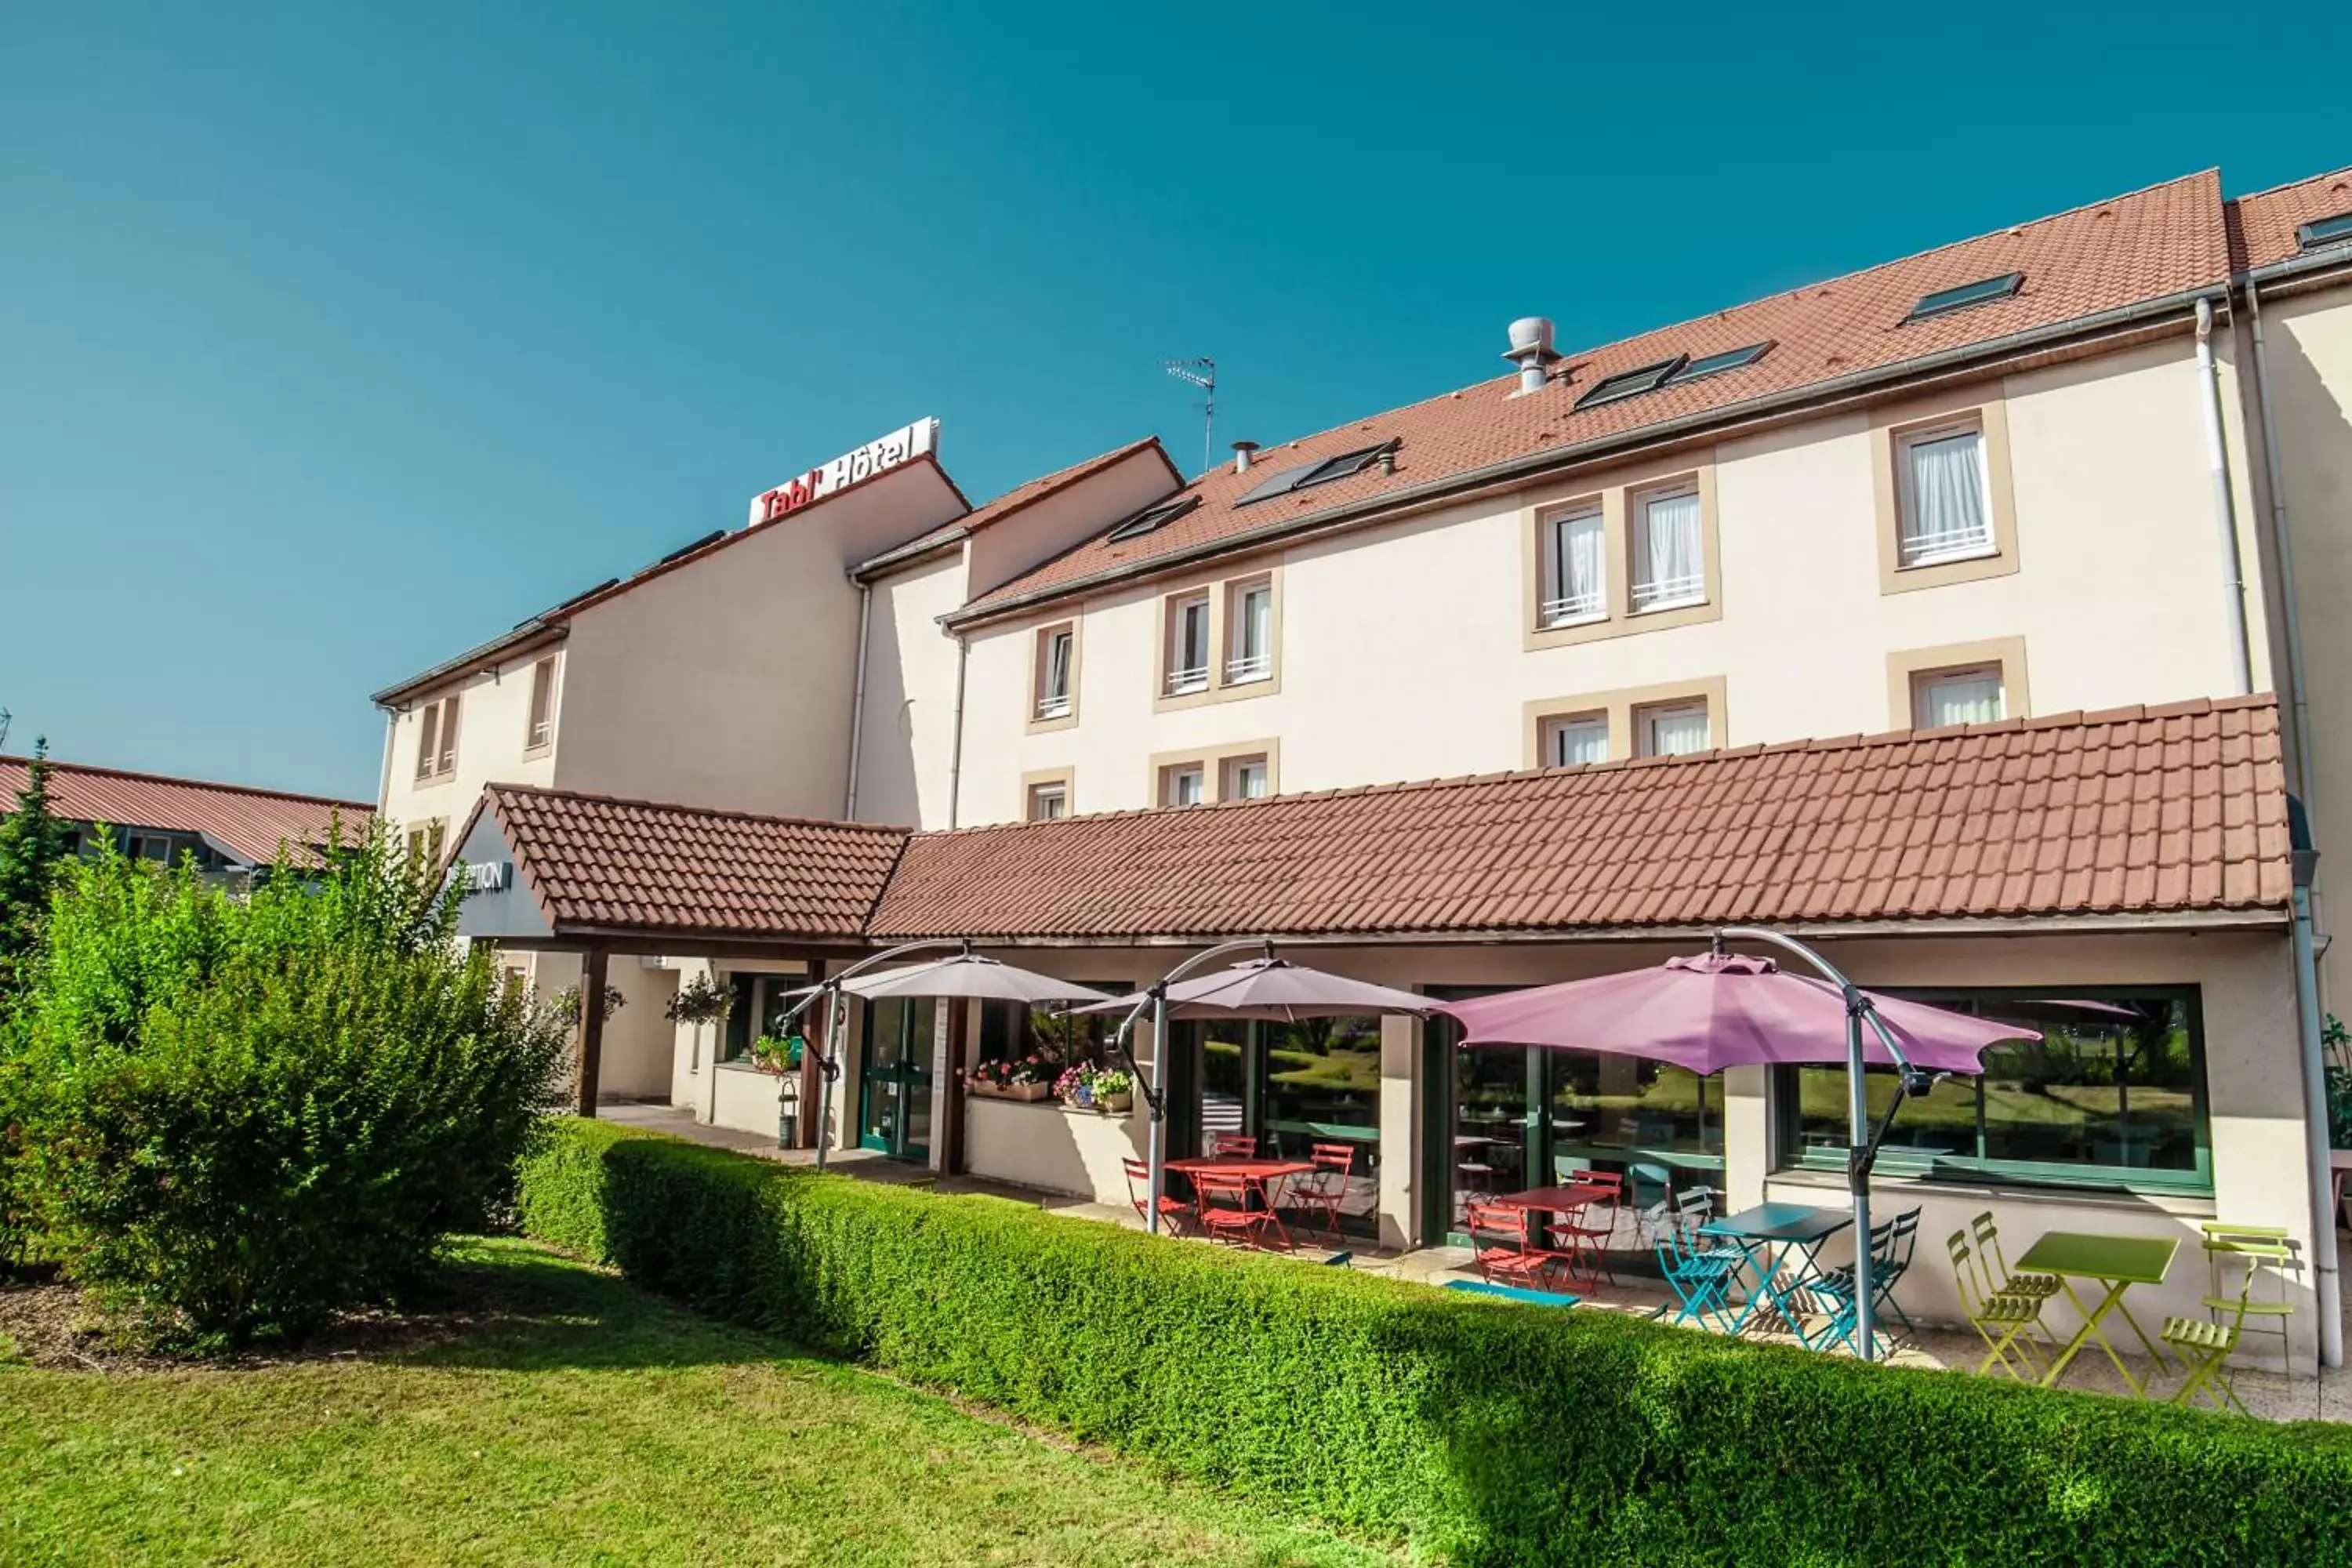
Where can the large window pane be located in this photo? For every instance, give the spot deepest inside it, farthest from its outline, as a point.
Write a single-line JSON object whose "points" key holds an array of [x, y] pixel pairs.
{"points": [[1608, 1103], [2113, 1092], [1490, 1125]]}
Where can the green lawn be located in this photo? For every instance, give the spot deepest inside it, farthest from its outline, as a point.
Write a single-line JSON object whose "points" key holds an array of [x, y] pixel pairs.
{"points": [[583, 1422]]}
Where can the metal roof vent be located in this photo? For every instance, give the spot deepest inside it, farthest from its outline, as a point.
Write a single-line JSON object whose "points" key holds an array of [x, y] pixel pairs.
{"points": [[1242, 452], [1532, 352]]}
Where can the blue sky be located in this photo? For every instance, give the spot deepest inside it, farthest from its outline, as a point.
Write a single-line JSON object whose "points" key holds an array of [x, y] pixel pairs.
{"points": [[334, 339]]}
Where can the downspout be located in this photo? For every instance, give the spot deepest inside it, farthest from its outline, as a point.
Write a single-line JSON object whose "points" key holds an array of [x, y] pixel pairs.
{"points": [[2283, 542], [2225, 505], [858, 701], [2314, 1100], [955, 754]]}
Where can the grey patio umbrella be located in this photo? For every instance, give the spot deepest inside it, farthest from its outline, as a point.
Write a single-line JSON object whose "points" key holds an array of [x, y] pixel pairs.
{"points": [[970, 976], [1272, 988]]}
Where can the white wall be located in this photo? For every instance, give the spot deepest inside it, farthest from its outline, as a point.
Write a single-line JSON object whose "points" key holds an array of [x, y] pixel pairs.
{"points": [[907, 737], [1402, 652], [493, 726]]}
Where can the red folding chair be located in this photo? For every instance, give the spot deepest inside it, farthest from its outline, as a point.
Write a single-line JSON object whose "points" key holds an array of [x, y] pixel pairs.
{"points": [[1228, 1214], [1498, 1246], [1232, 1146], [1327, 1187], [1583, 1235], [1174, 1212]]}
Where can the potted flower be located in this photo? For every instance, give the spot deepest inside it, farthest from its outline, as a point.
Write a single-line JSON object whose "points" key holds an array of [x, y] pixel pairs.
{"points": [[1090, 1087], [1020, 1077], [775, 1057], [701, 1000]]}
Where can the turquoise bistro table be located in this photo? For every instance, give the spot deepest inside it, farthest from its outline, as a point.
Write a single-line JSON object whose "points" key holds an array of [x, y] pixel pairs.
{"points": [[2118, 1262]]}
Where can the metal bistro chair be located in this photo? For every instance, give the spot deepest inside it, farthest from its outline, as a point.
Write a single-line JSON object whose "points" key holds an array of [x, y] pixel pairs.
{"points": [[1701, 1276], [2205, 1344], [1174, 1212], [1891, 1246], [1232, 1146], [1327, 1187], [1498, 1246], [2006, 1322], [1584, 1237], [1227, 1213], [1995, 1270]]}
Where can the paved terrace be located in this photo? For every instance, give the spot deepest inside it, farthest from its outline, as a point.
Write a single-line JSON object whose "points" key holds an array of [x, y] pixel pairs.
{"points": [[2269, 1395]]}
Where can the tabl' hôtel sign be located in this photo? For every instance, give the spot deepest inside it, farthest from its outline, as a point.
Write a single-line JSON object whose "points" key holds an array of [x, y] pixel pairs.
{"points": [[900, 446]]}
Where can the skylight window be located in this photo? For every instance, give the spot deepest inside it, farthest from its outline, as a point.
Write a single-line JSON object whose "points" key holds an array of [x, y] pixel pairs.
{"points": [[1716, 365], [1967, 294], [1306, 474], [2325, 231], [1151, 518], [1631, 382]]}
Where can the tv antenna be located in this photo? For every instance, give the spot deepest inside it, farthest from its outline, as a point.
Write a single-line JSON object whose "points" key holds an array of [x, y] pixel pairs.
{"points": [[6, 718], [1203, 373]]}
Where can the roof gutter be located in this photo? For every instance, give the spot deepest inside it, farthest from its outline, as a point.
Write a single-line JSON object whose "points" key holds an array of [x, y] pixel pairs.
{"points": [[530, 635], [905, 554], [1514, 471]]}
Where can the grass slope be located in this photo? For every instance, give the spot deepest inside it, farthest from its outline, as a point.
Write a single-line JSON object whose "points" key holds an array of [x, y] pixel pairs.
{"points": [[584, 1422]]}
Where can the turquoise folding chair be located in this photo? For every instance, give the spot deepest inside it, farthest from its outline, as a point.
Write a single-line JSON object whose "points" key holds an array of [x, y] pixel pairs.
{"points": [[1700, 1277], [1890, 1247]]}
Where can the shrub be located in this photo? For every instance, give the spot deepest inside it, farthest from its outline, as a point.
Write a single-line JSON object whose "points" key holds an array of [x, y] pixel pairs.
{"points": [[236, 1116], [1487, 1432]]}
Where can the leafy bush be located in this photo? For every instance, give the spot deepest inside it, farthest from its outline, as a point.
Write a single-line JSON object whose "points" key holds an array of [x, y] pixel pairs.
{"points": [[1489, 1433], [233, 1116]]}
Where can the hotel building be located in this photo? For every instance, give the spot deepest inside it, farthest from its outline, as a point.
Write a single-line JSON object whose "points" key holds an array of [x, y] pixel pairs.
{"points": [[1957, 614]]}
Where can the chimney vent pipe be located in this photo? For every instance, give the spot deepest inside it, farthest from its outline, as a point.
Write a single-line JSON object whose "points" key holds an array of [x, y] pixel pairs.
{"points": [[1242, 452], [1532, 352]]}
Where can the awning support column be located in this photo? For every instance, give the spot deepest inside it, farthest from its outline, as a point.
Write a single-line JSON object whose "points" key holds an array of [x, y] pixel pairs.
{"points": [[592, 1027]]}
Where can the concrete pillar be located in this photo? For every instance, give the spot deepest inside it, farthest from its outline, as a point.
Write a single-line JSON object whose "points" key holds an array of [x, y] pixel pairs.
{"points": [[1401, 1154], [1747, 1137]]}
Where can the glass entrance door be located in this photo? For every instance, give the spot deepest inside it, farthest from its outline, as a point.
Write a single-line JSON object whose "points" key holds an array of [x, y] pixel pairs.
{"points": [[894, 1079]]}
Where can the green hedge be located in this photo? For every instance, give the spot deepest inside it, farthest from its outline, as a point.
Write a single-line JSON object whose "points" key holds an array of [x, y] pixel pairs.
{"points": [[1486, 1433]]}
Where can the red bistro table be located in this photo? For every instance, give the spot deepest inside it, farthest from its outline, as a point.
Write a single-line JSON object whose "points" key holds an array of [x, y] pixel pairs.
{"points": [[1260, 1174]]}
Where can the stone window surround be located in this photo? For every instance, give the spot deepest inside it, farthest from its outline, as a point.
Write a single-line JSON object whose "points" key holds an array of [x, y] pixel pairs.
{"points": [[1984, 406], [1211, 760], [1221, 593], [1034, 725], [1620, 706], [1904, 666], [1614, 494], [1065, 776]]}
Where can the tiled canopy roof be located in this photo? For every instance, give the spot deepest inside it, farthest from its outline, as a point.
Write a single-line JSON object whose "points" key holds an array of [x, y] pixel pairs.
{"points": [[251, 822], [2267, 220], [594, 861], [2151, 244], [2169, 811]]}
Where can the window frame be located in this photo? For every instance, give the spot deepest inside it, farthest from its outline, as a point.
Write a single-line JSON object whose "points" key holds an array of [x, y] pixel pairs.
{"points": [[1219, 676], [1243, 667], [1617, 494], [1229, 784], [1044, 712], [1907, 487], [439, 720], [1171, 777], [538, 729], [1555, 606], [2320, 233], [1057, 792], [1638, 502], [1980, 1170], [1552, 729], [1925, 681], [1186, 679], [1893, 429], [1643, 715], [1966, 296]]}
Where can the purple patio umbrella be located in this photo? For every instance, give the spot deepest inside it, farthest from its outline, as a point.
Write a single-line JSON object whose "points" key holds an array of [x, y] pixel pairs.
{"points": [[1719, 1010]]}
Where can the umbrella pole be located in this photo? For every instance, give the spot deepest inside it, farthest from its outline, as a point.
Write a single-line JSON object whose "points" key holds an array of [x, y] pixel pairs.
{"points": [[1156, 1137], [828, 1068], [1857, 1176]]}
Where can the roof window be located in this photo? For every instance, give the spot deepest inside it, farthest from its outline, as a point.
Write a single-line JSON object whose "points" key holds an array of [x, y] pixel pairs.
{"points": [[1151, 518], [2325, 231], [1631, 383], [1305, 475], [1967, 294], [713, 537], [1716, 365]]}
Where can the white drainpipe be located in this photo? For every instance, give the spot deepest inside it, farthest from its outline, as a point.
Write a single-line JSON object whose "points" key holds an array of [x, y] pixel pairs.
{"points": [[955, 754], [2224, 504], [2297, 689], [858, 701]]}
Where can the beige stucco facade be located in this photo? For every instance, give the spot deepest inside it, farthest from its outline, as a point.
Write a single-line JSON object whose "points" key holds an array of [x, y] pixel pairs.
{"points": [[1405, 647]]}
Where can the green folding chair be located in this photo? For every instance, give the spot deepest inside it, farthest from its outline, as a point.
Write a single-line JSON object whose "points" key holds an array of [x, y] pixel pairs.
{"points": [[1986, 1234], [2205, 1344], [2006, 1322]]}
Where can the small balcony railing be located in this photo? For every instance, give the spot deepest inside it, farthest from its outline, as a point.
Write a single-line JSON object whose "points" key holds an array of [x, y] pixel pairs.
{"points": [[1572, 609], [1195, 678], [1249, 666], [1667, 593], [1053, 707]]}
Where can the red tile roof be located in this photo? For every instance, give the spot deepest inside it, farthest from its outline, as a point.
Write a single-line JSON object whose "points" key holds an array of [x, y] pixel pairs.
{"points": [[2149, 245], [251, 822], [595, 861], [2179, 810], [2130, 812], [2266, 221]]}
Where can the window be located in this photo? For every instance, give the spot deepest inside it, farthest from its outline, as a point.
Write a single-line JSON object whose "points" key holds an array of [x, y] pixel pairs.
{"points": [[436, 739], [1304, 475], [1151, 518], [1057, 650], [1980, 292], [1968, 696], [1629, 383], [1247, 778], [1573, 740], [541, 732], [1183, 783], [1669, 554], [424, 841], [1049, 802], [1716, 365], [1188, 645], [1943, 509], [2112, 1094], [1250, 655], [2325, 231], [1672, 729], [1576, 587]]}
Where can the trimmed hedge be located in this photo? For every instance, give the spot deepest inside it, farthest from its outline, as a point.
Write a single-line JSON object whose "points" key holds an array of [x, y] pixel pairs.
{"points": [[1485, 1432]]}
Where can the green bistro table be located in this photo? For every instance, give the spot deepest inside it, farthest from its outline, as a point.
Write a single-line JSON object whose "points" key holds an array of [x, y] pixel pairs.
{"points": [[2118, 1262]]}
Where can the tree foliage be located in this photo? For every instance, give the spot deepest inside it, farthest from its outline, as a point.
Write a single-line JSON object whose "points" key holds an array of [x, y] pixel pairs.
{"points": [[33, 843], [236, 1115]]}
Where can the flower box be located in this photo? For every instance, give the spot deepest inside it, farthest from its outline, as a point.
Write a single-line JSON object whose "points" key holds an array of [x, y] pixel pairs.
{"points": [[1114, 1104], [1029, 1091]]}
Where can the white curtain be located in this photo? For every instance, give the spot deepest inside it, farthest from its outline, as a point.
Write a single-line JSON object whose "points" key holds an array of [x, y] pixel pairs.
{"points": [[1947, 514], [1258, 622], [1057, 675], [1579, 559], [1671, 566], [1579, 741], [1678, 733], [1968, 699]]}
